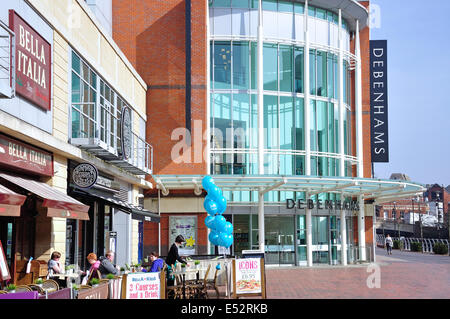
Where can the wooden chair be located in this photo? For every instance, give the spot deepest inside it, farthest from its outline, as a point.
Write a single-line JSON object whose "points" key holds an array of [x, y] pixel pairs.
{"points": [[23, 288], [82, 287], [212, 283], [201, 288], [3, 292], [36, 288], [50, 284], [94, 274], [102, 281]]}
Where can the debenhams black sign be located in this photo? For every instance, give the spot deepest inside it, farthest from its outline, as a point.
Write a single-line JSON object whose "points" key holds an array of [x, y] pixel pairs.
{"points": [[328, 204]]}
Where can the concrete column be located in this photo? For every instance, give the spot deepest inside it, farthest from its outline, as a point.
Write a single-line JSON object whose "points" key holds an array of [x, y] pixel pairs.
{"points": [[361, 230], [306, 86], [343, 237], [260, 94], [358, 106], [309, 256], [261, 220], [341, 97]]}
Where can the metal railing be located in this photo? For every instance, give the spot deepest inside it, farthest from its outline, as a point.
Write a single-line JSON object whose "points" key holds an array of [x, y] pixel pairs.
{"points": [[7, 62], [427, 243]]}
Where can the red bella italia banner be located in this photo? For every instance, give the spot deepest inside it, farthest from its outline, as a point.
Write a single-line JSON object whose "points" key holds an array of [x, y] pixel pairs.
{"points": [[33, 62]]}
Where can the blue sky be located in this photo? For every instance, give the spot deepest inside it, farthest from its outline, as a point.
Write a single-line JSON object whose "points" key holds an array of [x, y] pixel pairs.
{"points": [[418, 35]]}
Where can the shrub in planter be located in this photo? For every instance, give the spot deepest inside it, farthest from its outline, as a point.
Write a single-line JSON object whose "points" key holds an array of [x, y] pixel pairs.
{"points": [[398, 244], [109, 276], [11, 288], [440, 249], [416, 246], [94, 282]]}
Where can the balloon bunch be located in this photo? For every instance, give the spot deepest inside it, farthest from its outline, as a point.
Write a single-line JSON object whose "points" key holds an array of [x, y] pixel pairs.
{"points": [[215, 204]]}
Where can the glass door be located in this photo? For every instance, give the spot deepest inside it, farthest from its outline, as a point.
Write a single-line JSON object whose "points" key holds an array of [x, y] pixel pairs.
{"points": [[301, 241], [320, 243], [335, 240], [279, 240], [350, 241]]}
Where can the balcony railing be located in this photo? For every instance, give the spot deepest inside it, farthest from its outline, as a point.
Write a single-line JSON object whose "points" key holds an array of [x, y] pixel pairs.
{"points": [[7, 62]]}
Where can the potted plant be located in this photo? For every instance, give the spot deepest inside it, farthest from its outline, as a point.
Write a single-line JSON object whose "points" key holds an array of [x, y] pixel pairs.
{"points": [[94, 282], [11, 288], [109, 276], [70, 269], [197, 264], [39, 282], [122, 270], [75, 289]]}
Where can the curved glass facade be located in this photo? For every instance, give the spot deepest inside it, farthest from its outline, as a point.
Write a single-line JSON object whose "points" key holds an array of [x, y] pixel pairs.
{"points": [[233, 93]]}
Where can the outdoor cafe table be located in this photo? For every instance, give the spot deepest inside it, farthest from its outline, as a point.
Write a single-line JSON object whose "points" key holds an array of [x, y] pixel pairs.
{"points": [[183, 276], [67, 277]]}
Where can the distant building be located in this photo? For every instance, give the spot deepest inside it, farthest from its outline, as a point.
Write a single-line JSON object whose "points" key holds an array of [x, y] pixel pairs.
{"points": [[400, 177]]}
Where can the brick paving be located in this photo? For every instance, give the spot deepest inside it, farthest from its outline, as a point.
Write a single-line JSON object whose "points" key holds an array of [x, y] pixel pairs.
{"points": [[402, 275]]}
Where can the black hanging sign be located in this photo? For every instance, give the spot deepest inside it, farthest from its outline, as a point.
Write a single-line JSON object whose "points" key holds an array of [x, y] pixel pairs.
{"points": [[84, 175], [379, 102]]}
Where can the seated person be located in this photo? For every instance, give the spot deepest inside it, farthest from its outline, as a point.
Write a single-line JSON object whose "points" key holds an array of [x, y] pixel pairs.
{"points": [[93, 270], [106, 265], [54, 267], [157, 263]]}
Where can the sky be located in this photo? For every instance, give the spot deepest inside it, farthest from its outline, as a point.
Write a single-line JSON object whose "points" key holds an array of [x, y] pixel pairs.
{"points": [[418, 44]]}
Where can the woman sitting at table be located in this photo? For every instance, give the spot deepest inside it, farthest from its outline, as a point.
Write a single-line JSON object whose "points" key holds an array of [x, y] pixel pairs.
{"points": [[93, 271], [55, 268]]}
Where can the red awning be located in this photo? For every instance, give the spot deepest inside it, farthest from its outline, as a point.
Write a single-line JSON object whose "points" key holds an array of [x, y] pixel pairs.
{"points": [[10, 202], [58, 203]]}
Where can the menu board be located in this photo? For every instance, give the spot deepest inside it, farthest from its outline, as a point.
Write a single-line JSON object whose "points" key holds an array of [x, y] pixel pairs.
{"points": [[187, 227], [248, 277], [142, 286], [4, 270]]}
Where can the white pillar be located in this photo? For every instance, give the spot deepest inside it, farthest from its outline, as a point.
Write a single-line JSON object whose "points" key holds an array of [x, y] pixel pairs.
{"points": [[306, 107], [341, 97], [260, 94], [358, 106], [343, 236], [261, 220], [361, 230], [309, 255]]}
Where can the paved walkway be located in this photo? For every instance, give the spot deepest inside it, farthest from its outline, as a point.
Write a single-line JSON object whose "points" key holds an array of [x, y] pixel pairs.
{"points": [[401, 275]]}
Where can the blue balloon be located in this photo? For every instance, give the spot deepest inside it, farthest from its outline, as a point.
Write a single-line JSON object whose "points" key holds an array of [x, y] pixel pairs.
{"points": [[207, 183], [218, 267], [211, 206], [214, 192], [221, 205], [229, 241], [223, 239], [228, 228], [219, 223], [209, 221], [214, 238]]}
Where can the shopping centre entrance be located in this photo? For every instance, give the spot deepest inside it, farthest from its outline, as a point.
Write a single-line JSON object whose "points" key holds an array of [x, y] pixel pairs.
{"points": [[279, 235]]}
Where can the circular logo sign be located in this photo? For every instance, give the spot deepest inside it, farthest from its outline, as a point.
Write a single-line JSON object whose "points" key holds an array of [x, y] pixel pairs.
{"points": [[127, 137], [84, 175]]}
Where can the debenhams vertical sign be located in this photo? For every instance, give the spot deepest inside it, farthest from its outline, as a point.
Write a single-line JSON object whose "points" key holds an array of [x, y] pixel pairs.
{"points": [[379, 101]]}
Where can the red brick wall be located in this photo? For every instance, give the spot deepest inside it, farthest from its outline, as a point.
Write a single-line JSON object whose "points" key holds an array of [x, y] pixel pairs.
{"points": [[152, 36]]}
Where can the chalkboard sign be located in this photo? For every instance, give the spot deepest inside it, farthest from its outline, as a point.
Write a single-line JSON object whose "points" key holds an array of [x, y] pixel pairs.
{"points": [[249, 277], [4, 270]]}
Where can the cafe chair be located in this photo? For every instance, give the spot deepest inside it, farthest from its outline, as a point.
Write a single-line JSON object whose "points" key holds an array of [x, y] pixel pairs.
{"points": [[212, 283], [3, 292], [103, 281], [83, 287], [23, 288], [201, 288], [50, 284], [36, 288]]}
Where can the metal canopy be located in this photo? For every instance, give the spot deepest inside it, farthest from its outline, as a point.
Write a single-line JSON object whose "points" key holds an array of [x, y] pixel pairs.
{"points": [[376, 189]]}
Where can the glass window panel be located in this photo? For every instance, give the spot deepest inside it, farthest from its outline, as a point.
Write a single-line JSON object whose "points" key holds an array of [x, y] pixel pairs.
{"points": [[336, 75], [332, 164], [330, 16], [254, 4], [299, 8], [313, 165], [345, 135], [254, 122], [299, 124], [75, 63], [241, 233], [285, 6], [323, 166], [270, 122], [321, 74], [335, 18], [286, 123], [312, 125], [222, 65], [331, 147], [299, 165], [311, 11], [269, 5], [241, 120], [299, 68], [240, 65], [330, 76], [76, 91], [345, 81], [312, 72], [253, 58], [85, 72], [322, 138], [75, 123], [287, 168], [222, 3], [239, 3], [222, 120], [336, 128], [270, 74], [286, 68], [321, 13]]}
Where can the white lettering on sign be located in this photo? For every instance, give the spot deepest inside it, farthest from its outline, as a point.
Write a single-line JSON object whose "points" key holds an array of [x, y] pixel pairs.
{"points": [[26, 65], [25, 154]]}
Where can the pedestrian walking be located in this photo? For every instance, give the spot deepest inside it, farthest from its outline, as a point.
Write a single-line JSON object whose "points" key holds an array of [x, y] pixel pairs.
{"points": [[388, 243]]}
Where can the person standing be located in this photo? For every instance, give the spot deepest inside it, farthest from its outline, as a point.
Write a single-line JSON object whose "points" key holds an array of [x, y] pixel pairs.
{"points": [[388, 244], [172, 258], [106, 265]]}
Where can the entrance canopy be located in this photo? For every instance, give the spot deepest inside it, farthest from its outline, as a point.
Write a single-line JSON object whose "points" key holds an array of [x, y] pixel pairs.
{"points": [[57, 203], [379, 190], [10, 202]]}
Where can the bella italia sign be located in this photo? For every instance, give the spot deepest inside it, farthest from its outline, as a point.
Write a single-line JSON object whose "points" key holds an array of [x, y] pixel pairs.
{"points": [[33, 62], [327, 204]]}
